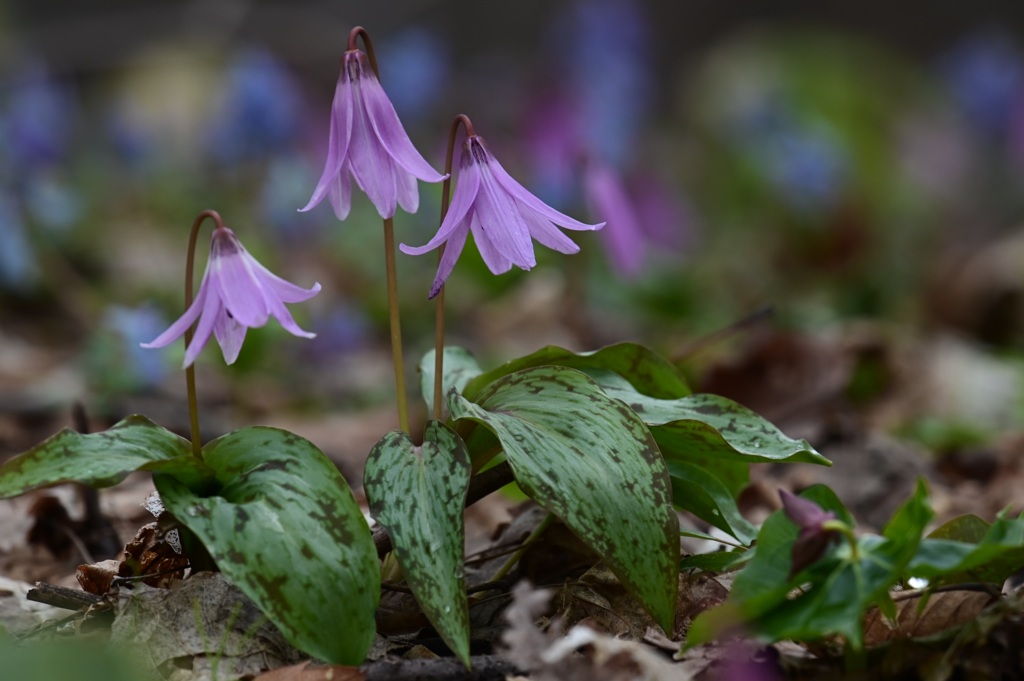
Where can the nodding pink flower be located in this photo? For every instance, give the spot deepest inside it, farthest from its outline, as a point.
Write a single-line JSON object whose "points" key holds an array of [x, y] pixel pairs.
{"points": [[237, 293], [814, 538], [502, 215], [368, 142]]}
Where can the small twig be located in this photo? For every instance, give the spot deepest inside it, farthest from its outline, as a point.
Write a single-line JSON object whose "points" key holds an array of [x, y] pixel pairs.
{"points": [[138, 578], [62, 597]]}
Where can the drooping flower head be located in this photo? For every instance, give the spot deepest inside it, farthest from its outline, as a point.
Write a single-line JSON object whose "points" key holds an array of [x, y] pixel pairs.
{"points": [[503, 216], [237, 293], [814, 537], [367, 142]]}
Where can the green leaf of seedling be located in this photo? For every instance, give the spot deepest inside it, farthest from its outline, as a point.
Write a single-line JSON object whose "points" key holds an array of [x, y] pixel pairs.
{"points": [[460, 367], [103, 459], [418, 494], [718, 561], [710, 426], [591, 461], [833, 592], [705, 496], [967, 549], [285, 529], [645, 370]]}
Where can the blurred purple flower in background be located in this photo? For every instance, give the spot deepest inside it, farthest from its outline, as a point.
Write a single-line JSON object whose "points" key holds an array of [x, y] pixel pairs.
{"points": [[132, 327], [18, 267], [985, 74], [40, 117], [368, 142], [261, 110], [502, 215], [237, 293], [603, 45]]}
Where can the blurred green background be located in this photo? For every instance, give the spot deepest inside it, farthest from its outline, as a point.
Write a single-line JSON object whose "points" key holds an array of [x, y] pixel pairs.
{"points": [[842, 163]]}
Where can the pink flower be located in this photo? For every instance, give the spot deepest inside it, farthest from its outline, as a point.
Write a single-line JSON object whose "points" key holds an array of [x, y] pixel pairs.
{"points": [[502, 215], [237, 293], [367, 141], [814, 539]]}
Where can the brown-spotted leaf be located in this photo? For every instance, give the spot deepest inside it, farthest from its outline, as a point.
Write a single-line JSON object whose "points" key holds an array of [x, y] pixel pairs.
{"points": [[592, 462], [102, 459], [286, 530], [418, 494]]}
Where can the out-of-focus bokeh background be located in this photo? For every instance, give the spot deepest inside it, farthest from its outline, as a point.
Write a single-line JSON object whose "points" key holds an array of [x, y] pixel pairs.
{"points": [[860, 168]]}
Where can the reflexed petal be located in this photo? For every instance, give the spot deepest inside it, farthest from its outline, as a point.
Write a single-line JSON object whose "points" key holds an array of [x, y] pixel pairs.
{"points": [[499, 216], [547, 234], [452, 251], [281, 313], [340, 194], [235, 282], [212, 309], [462, 201], [522, 195], [277, 287], [337, 143], [371, 165], [390, 132], [495, 259], [230, 336], [179, 327]]}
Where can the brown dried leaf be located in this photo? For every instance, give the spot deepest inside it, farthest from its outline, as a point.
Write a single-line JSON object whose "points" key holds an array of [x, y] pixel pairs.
{"points": [[97, 577], [942, 611], [148, 553], [309, 671]]}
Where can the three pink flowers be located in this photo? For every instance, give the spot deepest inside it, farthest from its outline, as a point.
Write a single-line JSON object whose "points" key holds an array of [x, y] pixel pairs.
{"points": [[368, 144]]}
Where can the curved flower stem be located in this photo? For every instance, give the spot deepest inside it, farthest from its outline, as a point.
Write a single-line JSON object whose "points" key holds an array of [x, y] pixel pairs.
{"points": [[847, 532], [394, 315], [394, 318], [467, 124], [190, 370]]}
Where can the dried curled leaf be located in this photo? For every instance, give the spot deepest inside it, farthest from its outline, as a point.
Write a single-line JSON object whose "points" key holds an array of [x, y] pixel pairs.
{"points": [[941, 611]]}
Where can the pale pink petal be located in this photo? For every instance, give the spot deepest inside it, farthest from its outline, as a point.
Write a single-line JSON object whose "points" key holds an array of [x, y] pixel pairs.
{"points": [[408, 192], [372, 167], [499, 217], [495, 259], [340, 193], [282, 314], [452, 251], [277, 287], [522, 195], [547, 234], [337, 142], [390, 132], [230, 336], [179, 327], [233, 278], [213, 308], [465, 194]]}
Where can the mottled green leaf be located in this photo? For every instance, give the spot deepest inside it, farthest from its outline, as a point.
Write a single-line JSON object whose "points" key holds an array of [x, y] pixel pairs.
{"points": [[419, 494], [644, 369], [591, 461], [991, 557], [286, 530], [709, 426], [460, 366], [707, 497], [102, 459]]}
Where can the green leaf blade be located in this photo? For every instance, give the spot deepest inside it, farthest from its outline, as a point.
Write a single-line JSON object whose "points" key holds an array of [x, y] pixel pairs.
{"points": [[286, 530], [102, 459], [458, 369], [418, 494], [591, 461]]}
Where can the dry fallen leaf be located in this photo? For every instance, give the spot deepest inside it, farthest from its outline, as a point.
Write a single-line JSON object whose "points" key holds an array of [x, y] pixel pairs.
{"points": [[309, 671], [942, 611]]}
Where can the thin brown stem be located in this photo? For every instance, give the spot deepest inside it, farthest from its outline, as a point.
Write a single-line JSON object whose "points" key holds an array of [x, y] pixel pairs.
{"points": [[396, 324], [353, 44], [190, 372], [463, 120]]}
